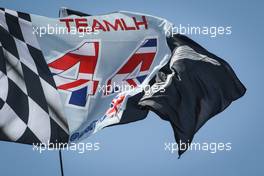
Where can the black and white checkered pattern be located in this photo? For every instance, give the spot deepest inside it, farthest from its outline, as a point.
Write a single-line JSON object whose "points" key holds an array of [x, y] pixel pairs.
{"points": [[30, 110], [65, 12]]}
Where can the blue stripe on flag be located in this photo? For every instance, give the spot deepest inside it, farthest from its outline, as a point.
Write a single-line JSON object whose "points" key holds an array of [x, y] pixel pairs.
{"points": [[78, 97], [150, 43], [141, 78]]}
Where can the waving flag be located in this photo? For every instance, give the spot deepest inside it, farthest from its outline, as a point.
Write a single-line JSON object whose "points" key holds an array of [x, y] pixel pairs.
{"points": [[64, 79], [29, 110], [198, 86]]}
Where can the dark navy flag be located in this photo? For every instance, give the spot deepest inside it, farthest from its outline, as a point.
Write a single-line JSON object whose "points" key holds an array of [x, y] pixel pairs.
{"points": [[192, 88]]}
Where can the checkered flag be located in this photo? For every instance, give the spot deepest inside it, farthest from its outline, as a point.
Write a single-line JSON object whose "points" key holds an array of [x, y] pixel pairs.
{"points": [[29, 108]]}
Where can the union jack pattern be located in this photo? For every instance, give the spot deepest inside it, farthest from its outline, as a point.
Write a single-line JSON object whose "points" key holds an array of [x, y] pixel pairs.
{"points": [[136, 69], [73, 73]]}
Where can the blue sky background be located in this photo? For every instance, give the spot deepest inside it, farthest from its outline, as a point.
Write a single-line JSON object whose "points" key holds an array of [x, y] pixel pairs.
{"points": [[138, 148]]}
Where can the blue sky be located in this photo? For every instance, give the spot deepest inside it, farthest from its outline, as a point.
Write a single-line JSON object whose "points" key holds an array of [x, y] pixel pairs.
{"points": [[138, 148]]}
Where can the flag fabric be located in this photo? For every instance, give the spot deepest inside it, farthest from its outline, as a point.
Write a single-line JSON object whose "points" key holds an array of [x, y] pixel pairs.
{"points": [[56, 84], [145, 53], [64, 79], [197, 85], [29, 112], [65, 12], [83, 66]]}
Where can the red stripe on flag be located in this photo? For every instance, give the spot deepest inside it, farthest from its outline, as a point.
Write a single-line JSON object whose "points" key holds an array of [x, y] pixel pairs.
{"points": [[72, 84], [87, 63], [132, 82], [145, 58]]}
